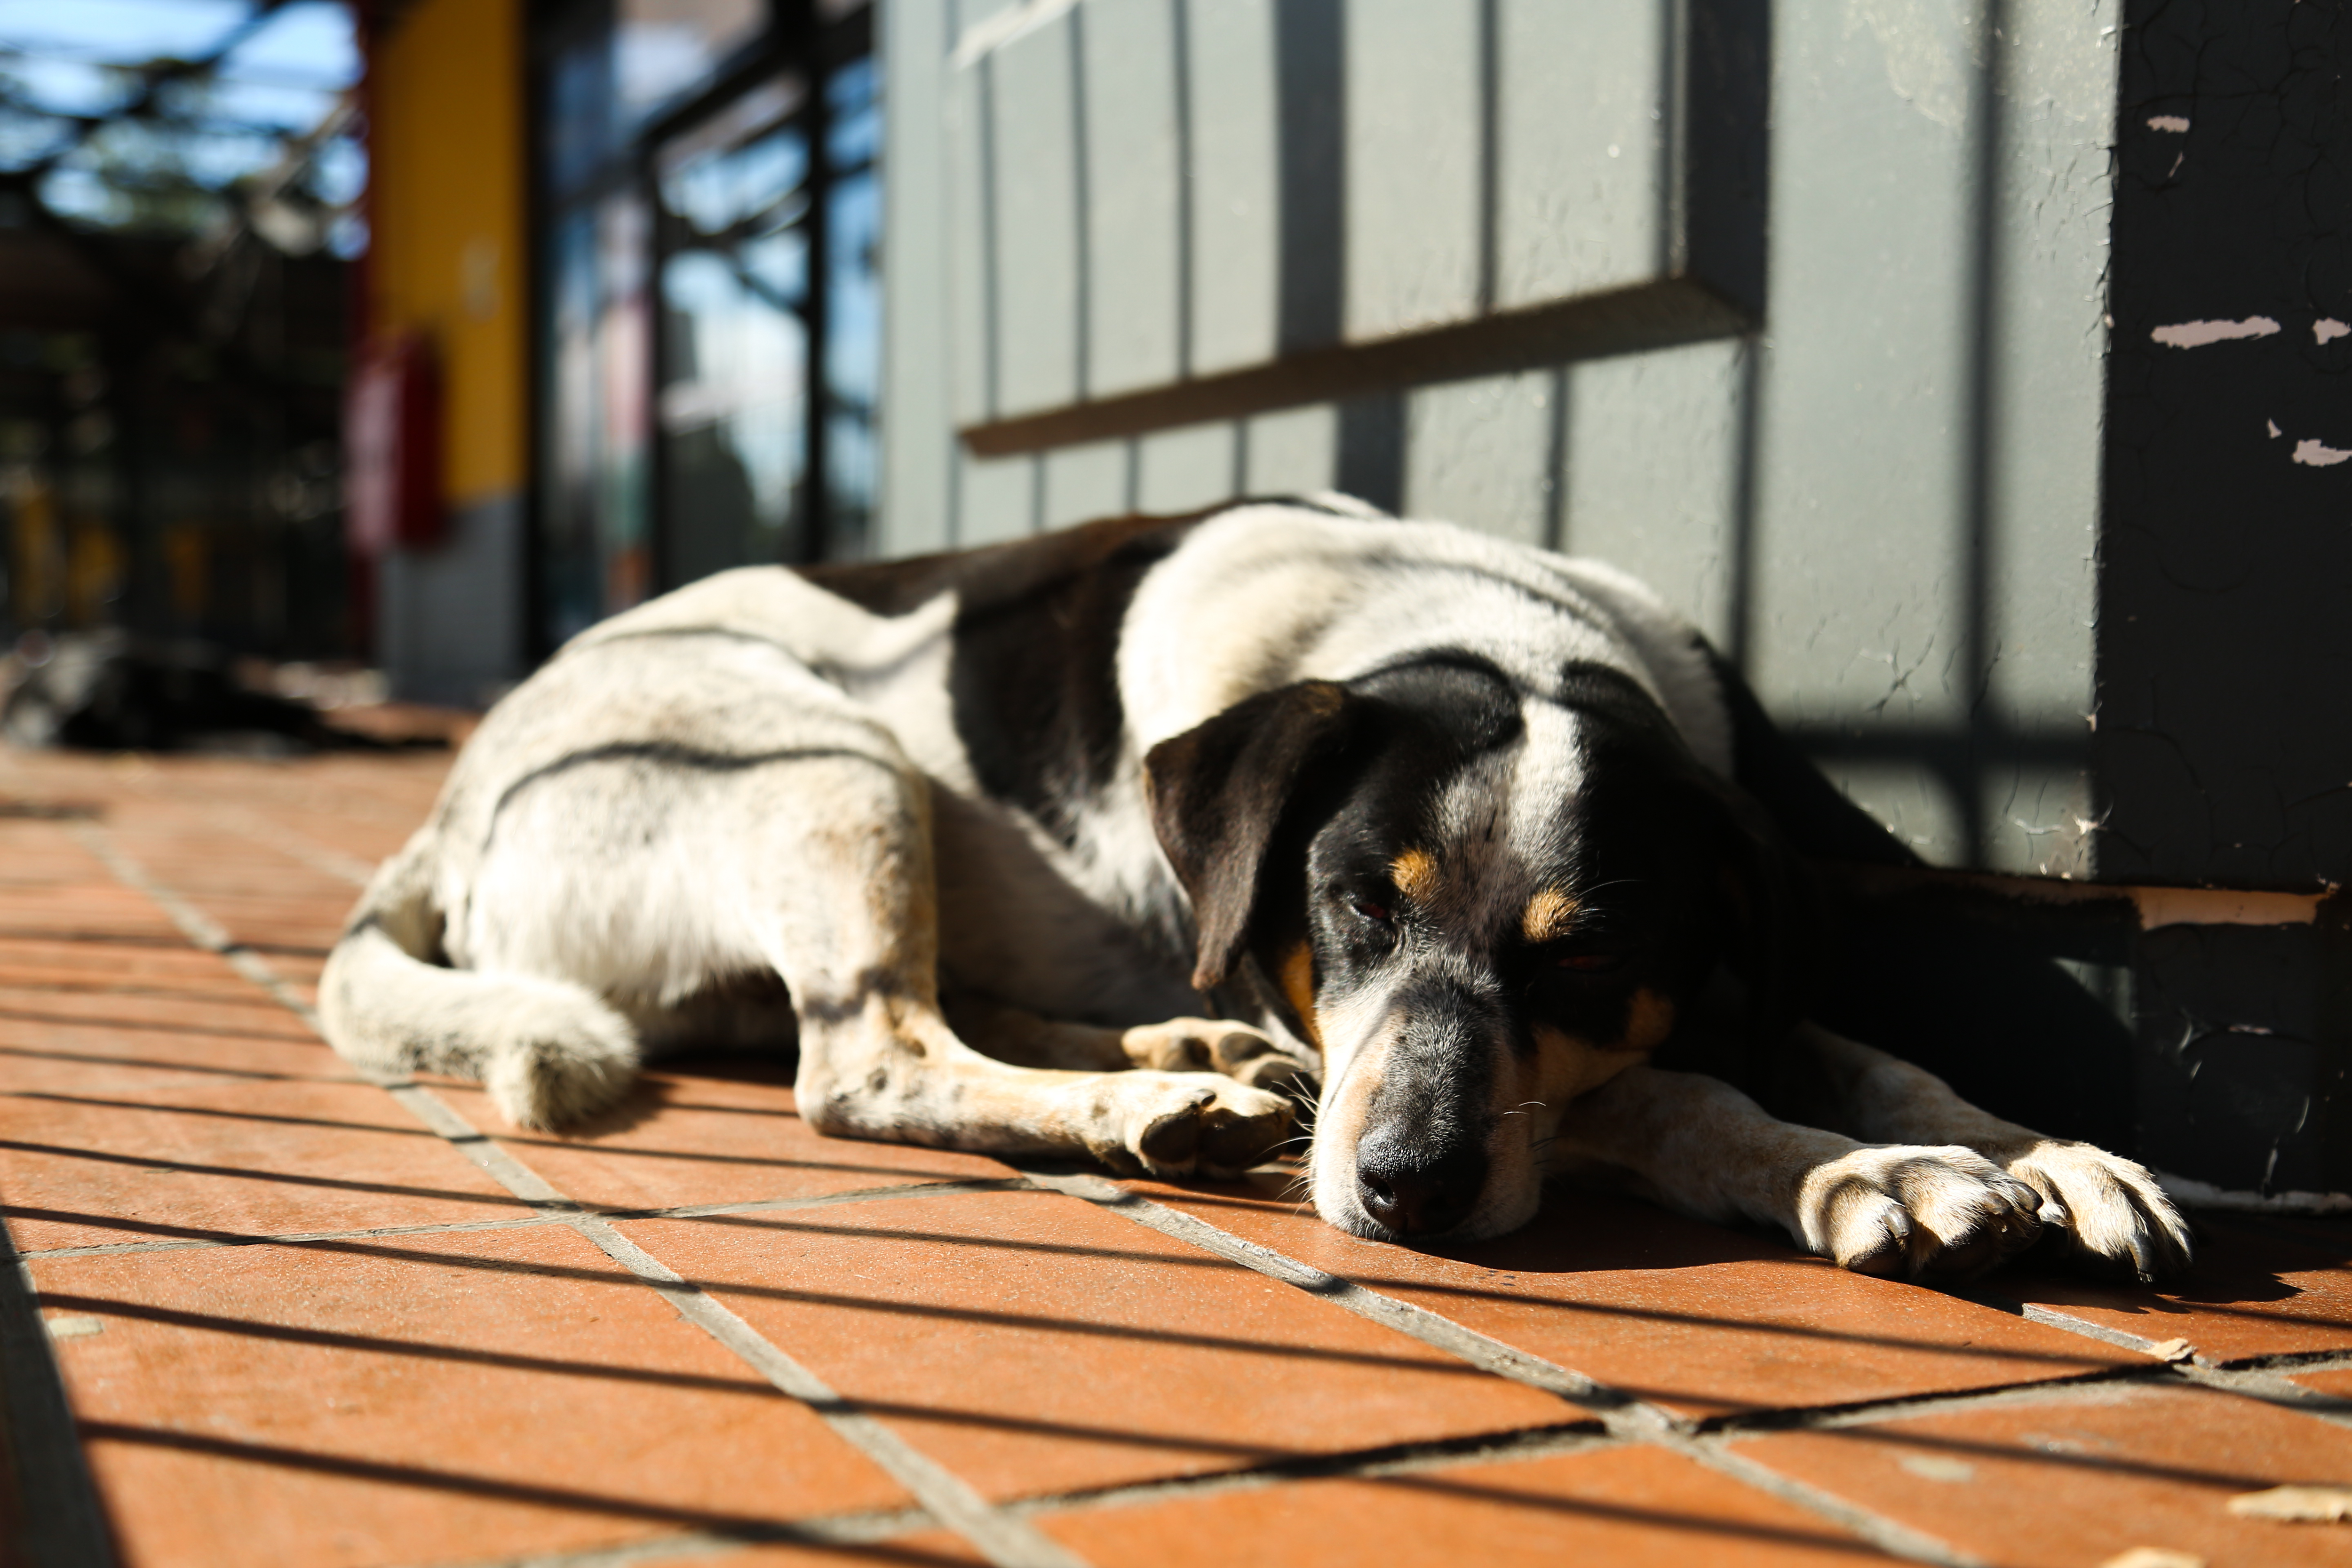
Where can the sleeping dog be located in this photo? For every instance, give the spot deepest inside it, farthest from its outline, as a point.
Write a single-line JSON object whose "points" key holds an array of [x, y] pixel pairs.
{"points": [[1114, 843]]}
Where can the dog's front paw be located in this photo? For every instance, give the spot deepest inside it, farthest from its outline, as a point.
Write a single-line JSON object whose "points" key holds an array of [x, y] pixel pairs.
{"points": [[1218, 1045], [1945, 1213], [2110, 1210], [1184, 1124]]}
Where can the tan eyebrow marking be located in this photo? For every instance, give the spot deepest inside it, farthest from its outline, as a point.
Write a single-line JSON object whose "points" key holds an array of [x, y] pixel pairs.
{"points": [[1414, 872], [1548, 915]]}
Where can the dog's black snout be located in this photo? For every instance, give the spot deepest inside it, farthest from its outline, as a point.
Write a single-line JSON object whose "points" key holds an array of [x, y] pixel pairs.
{"points": [[1418, 1192]]}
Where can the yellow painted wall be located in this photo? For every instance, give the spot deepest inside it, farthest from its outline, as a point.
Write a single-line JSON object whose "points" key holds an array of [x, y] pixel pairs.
{"points": [[446, 145]]}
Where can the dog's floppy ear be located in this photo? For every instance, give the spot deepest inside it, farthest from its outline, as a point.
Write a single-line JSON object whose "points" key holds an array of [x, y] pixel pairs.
{"points": [[1219, 791]]}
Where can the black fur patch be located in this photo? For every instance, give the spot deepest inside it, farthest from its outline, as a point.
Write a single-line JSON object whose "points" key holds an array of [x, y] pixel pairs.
{"points": [[1033, 671], [1981, 1005]]}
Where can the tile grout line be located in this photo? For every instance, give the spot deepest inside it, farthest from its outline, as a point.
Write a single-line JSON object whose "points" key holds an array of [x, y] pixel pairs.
{"points": [[2271, 1387], [1432, 1456], [194, 924], [1004, 1539], [297, 847], [2266, 1383], [521, 1221], [2050, 1318], [1625, 1416]]}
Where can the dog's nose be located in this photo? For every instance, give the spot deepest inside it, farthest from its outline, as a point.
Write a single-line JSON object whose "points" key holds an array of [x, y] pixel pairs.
{"points": [[1418, 1192]]}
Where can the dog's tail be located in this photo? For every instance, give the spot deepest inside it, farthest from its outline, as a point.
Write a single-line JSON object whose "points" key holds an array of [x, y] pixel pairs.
{"points": [[549, 1051]]}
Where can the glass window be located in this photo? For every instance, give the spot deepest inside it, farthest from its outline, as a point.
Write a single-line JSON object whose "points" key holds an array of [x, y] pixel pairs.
{"points": [[853, 304], [696, 289], [734, 394], [596, 558], [664, 50]]}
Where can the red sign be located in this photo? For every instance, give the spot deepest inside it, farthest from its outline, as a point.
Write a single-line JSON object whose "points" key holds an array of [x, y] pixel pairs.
{"points": [[391, 447]]}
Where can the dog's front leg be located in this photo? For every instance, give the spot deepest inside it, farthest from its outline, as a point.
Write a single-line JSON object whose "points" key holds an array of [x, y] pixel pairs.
{"points": [[1177, 1045], [852, 928], [1699, 1146], [2113, 1210]]}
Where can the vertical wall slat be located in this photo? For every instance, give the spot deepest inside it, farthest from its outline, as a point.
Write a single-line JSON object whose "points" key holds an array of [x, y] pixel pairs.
{"points": [[1134, 252], [919, 403], [1474, 454], [1040, 301], [1579, 134], [1412, 117], [1236, 229], [1651, 469]]}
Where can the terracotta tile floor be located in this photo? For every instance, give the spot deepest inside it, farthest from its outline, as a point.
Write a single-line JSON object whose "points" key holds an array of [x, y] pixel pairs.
{"points": [[266, 1311]]}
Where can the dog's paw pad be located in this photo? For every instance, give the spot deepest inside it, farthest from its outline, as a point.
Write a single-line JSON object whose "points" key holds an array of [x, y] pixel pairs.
{"points": [[2111, 1210], [1216, 1045], [1917, 1212], [1198, 1124], [1173, 1142], [1279, 1074]]}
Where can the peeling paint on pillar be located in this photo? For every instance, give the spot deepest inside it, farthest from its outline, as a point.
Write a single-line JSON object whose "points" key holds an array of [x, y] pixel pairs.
{"points": [[2223, 747]]}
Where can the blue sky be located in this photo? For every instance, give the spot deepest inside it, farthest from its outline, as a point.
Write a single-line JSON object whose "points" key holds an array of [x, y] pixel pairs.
{"points": [[68, 57]]}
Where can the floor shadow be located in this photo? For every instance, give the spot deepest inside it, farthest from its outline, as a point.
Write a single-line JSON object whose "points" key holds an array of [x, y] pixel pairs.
{"points": [[1586, 1232], [746, 1528]]}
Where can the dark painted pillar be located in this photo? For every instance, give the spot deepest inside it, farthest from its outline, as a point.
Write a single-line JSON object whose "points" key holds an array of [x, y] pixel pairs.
{"points": [[2224, 742]]}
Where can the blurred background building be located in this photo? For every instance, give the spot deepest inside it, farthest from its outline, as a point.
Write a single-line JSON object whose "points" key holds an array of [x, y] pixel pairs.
{"points": [[1971, 370], [177, 224]]}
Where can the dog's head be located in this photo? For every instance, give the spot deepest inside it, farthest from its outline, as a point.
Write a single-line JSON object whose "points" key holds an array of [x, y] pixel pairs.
{"points": [[1479, 902]]}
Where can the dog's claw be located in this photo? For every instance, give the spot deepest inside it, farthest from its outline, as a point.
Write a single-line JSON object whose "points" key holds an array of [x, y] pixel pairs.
{"points": [[2111, 1210], [1943, 1213]]}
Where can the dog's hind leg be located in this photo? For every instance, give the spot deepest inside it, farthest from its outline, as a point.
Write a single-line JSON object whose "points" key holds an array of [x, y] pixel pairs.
{"points": [[844, 902], [2111, 1209], [548, 1051]]}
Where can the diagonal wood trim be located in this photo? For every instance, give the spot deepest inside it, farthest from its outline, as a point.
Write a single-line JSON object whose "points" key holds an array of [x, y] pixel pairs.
{"points": [[1591, 326]]}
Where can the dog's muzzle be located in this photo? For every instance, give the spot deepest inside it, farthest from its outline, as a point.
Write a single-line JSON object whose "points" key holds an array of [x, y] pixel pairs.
{"points": [[1421, 1161], [1415, 1190]]}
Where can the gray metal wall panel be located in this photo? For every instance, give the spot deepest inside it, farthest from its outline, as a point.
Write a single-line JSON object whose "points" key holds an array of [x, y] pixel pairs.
{"points": [[1650, 481], [1235, 183], [1039, 290], [918, 468], [449, 619], [1180, 470], [1859, 562], [1887, 535], [1414, 113], [1083, 483], [2048, 296], [997, 499], [1480, 453], [1292, 453], [1134, 232], [968, 354], [1580, 199]]}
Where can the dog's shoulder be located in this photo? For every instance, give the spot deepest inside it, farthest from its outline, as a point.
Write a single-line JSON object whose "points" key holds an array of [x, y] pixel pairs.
{"points": [[993, 581], [1032, 630], [1266, 594]]}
